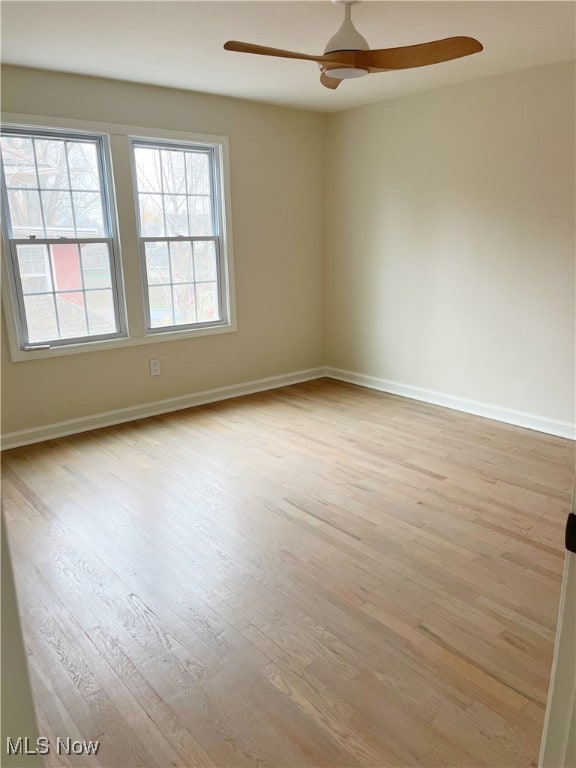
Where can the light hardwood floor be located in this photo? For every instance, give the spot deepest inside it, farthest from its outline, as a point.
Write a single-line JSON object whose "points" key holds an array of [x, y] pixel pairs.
{"points": [[315, 576]]}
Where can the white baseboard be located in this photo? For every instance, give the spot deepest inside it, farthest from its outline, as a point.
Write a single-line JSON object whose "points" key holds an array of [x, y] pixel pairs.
{"points": [[517, 418], [121, 415]]}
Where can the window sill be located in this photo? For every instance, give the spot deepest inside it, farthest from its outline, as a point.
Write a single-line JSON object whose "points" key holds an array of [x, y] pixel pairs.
{"points": [[19, 355]]}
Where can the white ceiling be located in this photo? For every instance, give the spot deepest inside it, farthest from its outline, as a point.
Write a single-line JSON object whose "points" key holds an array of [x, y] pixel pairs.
{"points": [[179, 44]]}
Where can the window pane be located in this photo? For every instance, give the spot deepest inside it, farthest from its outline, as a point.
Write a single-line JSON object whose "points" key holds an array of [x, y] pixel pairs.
{"points": [[200, 215], [54, 211], [41, 318], [198, 173], [34, 268], [96, 265], [205, 261], [176, 200], [157, 263], [176, 215], [173, 171], [71, 315], [181, 259], [184, 304], [148, 170], [58, 214], [25, 213], [160, 298], [65, 289], [83, 164], [151, 216], [89, 214], [18, 160], [100, 306], [66, 267], [51, 160], [207, 302]]}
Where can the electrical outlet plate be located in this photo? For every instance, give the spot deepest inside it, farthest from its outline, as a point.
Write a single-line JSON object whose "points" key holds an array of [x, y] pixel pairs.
{"points": [[155, 367]]}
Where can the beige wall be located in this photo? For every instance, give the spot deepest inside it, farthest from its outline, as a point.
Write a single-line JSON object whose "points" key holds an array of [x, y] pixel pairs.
{"points": [[447, 234], [450, 241], [277, 182]]}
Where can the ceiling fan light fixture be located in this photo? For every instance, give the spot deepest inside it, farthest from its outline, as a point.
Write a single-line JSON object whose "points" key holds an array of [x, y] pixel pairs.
{"points": [[346, 73]]}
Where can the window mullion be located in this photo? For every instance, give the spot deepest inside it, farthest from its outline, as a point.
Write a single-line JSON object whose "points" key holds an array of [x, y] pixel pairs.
{"points": [[81, 263], [53, 283], [194, 283], [162, 191], [69, 190], [186, 192], [39, 191], [171, 283], [74, 224], [59, 240], [163, 198], [182, 238]]}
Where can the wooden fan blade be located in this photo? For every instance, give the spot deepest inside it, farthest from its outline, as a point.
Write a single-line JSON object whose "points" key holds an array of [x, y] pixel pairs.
{"points": [[418, 55], [264, 50], [329, 82]]}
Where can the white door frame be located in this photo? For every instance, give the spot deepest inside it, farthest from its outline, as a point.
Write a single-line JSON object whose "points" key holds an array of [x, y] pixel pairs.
{"points": [[558, 749]]}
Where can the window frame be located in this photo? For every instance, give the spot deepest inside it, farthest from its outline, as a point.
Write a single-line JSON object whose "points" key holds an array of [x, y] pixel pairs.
{"points": [[11, 243], [218, 224], [123, 202]]}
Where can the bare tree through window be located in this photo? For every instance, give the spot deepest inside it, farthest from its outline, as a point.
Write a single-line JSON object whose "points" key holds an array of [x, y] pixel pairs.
{"points": [[54, 192], [177, 224]]}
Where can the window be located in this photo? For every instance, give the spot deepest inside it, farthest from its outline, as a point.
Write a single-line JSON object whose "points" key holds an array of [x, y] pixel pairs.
{"points": [[70, 289], [63, 253], [180, 228]]}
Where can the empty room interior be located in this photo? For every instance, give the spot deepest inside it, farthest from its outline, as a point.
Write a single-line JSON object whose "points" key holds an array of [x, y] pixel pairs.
{"points": [[288, 384]]}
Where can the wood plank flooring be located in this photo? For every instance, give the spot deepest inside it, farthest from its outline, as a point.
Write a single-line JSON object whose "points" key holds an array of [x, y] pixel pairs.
{"points": [[321, 575]]}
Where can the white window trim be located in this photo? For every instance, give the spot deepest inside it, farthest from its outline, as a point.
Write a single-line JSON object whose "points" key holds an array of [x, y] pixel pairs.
{"points": [[217, 236], [142, 336], [108, 203]]}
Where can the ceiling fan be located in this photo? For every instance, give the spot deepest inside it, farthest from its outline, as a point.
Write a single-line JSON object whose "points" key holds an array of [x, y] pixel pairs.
{"points": [[348, 55]]}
